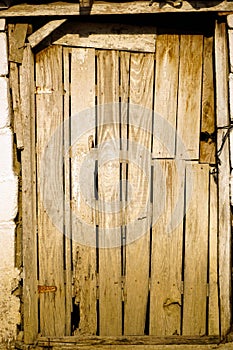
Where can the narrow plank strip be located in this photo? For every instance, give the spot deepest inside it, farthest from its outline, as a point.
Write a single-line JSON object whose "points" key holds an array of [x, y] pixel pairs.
{"points": [[17, 122], [109, 194], [29, 216], [165, 99], [189, 96], [138, 208], [213, 311], [43, 32], [67, 190], [230, 40], [166, 260], [196, 246], [83, 194], [147, 347], [108, 36], [132, 341], [208, 142], [49, 101], [222, 116], [124, 115]]}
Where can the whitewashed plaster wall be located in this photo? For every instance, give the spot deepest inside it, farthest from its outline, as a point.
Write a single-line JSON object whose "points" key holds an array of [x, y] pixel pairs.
{"points": [[9, 275]]}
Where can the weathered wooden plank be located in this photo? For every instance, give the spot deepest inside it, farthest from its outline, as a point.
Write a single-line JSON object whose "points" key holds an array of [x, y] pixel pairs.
{"points": [[67, 190], [167, 240], [15, 93], [49, 109], [213, 307], [230, 40], [124, 115], [108, 36], [83, 194], [208, 142], [138, 207], [196, 247], [230, 21], [43, 32], [222, 116], [221, 66], [17, 36], [29, 219], [109, 230], [189, 96], [231, 95], [143, 347], [107, 8], [165, 99], [131, 341]]}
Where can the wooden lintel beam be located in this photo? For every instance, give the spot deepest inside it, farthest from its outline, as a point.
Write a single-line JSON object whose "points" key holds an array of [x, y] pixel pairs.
{"points": [[64, 9]]}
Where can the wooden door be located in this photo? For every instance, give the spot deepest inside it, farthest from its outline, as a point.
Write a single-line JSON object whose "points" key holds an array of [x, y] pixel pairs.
{"points": [[127, 187]]}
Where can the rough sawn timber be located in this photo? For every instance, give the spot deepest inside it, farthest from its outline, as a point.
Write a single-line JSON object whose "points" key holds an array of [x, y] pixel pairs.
{"points": [[107, 8]]}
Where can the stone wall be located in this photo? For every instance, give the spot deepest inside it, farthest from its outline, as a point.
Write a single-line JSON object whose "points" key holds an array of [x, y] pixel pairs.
{"points": [[9, 275]]}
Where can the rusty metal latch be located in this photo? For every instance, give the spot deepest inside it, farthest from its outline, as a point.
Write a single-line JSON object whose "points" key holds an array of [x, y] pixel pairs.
{"points": [[47, 289]]}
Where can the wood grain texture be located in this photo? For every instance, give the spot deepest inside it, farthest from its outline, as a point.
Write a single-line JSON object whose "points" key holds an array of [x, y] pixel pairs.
{"points": [[196, 248], [67, 191], [109, 229], [107, 36], [224, 220], [83, 196], [167, 240], [230, 41], [15, 94], [165, 99], [44, 31], [133, 341], [208, 145], [50, 240], [17, 36], [29, 217], [106, 8], [213, 307], [138, 208], [189, 96]]}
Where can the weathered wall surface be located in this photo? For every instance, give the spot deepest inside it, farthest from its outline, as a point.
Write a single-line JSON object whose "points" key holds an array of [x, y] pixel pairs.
{"points": [[9, 275]]}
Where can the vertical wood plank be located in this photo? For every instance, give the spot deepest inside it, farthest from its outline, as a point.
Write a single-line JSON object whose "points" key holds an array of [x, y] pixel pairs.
{"points": [[165, 99], [17, 37], [110, 314], [138, 208], [167, 240], [17, 121], [213, 309], [196, 246], [49, 100], [207, 143], [67, 190], [224, 219], [29, 215], [83, 223], [189, 96]]}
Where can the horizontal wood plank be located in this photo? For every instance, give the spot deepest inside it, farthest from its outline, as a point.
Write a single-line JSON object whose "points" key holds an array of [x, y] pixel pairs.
{"points": [[107, 36], [73, 9], [129, 340]]}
